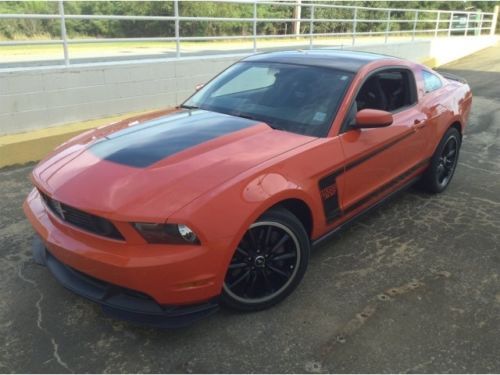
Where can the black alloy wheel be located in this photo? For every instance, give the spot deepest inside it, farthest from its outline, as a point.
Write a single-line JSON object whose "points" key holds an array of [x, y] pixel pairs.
{"points": [[443, 163], [447, 162], [268, 263]]}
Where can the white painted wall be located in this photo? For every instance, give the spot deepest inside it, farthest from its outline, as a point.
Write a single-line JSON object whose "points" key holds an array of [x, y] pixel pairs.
{"points": [[445, 50], [44, 97], [417, 50], [38, 98]]}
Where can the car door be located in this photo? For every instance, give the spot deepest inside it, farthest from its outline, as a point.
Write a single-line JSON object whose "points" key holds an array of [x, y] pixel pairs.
{"points": [[434, 103], [377, 159]]}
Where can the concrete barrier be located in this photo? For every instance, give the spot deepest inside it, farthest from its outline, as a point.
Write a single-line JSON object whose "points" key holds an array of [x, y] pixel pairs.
{"points": [[38, 98], [41, 97], [47, 97], [446, 50]]}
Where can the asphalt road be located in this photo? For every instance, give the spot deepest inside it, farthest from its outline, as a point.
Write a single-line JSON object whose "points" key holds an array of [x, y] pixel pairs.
{"points": [[412, 287]]}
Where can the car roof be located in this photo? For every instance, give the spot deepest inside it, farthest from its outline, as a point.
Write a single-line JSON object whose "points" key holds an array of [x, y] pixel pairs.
{"points": [[350, 61]]}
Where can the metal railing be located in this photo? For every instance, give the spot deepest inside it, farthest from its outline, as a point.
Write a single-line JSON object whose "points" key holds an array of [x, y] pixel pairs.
{"points": [[382, 22]]}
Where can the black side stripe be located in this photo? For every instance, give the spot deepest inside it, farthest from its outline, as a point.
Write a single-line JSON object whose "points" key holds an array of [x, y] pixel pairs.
{"points": [[345, 224], [328, 184], [394, 182], [364, 158], [333, 212], [329, 195]]}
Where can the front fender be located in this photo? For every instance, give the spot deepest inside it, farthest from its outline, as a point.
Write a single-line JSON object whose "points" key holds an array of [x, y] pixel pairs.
{"points": [[226, 214]]}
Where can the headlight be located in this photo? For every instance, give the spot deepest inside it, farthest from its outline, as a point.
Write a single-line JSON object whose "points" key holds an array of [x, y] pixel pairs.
{"points": [[167, 233]]}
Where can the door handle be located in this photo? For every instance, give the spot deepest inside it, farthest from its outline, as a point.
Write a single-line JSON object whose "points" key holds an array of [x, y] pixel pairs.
{"points": [[418, 124]]}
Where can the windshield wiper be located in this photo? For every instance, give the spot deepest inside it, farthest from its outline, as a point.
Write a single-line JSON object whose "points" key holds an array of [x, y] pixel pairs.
{"points": [[188, 106], [244, 115], [252, 117]]}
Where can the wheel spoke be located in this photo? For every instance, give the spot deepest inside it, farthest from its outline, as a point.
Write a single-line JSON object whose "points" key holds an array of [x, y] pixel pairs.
{"points": [[446, 148], [451, 153], [441, 173], [260, 240], [242, 252], [278, 271], [268, 236], [280, 243], [240, 279], [253, 240], [268, 283], [284, 256], [441, 177], [251, 285], [234, 266]]}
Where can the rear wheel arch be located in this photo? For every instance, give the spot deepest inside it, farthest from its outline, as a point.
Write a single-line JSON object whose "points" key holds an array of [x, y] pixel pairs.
{"points": [[457, 125], [443, 162]]}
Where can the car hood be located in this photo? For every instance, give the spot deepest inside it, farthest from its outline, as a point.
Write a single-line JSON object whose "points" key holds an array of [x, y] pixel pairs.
{"points": [[148, 168]]}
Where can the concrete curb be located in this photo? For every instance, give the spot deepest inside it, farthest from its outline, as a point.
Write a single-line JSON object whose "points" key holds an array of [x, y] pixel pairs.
{"points": [[32, 146]]}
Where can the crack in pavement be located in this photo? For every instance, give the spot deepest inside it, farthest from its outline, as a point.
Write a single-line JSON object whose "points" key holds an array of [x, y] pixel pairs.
{"points": [[418, 367], [478, 168], [55, 347], [341, 335]]}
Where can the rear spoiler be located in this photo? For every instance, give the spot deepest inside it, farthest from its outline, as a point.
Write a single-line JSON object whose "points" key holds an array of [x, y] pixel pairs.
{"points": [[453, 77]]}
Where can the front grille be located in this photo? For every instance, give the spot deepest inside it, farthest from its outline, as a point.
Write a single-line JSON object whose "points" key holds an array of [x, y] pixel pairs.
{"points": [[104, 285], [82, 220]]}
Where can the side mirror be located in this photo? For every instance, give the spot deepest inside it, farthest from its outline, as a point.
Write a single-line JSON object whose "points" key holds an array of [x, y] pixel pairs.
{"points": [[372, 118], [199, 86]]}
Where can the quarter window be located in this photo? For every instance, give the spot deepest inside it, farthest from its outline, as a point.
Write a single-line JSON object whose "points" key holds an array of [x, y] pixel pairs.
{"points": [[431, 81]]}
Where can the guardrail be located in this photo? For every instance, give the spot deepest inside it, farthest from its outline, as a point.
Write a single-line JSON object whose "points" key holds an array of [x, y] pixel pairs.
{"points": [[415, 23]]}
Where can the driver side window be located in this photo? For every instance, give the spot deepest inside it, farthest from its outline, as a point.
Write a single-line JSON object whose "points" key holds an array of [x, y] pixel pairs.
{"points": [[389, 90]]}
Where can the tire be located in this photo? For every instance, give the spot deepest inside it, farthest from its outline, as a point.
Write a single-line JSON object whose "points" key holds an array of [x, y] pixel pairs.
{"points": [[443, 163], [268, 264]]}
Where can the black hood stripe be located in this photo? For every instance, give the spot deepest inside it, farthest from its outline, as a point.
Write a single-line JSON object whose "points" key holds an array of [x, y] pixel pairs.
{"points": [[145, 144]]}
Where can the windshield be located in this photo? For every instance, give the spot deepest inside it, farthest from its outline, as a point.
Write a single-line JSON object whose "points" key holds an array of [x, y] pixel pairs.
{"points": [[295, 98]]}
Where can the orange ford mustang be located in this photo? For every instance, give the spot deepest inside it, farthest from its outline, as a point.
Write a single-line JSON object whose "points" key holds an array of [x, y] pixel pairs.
{"points": [[160, 218]]}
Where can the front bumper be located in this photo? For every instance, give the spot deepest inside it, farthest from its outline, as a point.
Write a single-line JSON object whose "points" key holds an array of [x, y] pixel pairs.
{"points": [[185, 277], [120, 302]]}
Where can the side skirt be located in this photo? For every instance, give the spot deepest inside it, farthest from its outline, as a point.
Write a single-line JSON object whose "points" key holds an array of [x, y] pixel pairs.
{"points": [[324, 238]]}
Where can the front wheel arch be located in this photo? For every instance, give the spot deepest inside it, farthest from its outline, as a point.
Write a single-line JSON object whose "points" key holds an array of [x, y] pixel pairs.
{"points": [[297, 201], [300, 210], [294, 201]]}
